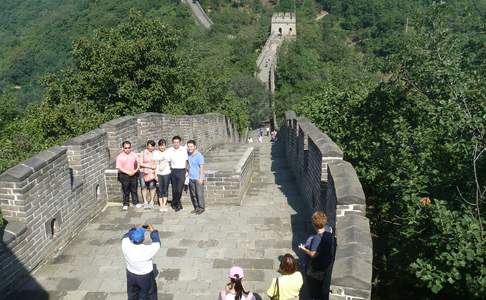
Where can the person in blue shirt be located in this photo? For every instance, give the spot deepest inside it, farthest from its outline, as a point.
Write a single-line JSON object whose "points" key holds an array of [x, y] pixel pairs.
{"points": [[196, 177]]}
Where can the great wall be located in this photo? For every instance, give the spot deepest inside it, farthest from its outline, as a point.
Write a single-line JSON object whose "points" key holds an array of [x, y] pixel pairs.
{"points": [[64, 222]]}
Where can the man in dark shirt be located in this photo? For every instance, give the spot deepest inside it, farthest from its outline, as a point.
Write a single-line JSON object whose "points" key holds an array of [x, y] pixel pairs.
{"points": [[324, 261]]}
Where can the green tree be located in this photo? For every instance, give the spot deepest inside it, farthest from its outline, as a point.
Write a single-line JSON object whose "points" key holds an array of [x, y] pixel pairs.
{"points": [[417, 140]]}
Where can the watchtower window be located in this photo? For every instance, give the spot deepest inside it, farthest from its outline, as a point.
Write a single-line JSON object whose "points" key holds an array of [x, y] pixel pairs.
{"points": [[280, 31]]}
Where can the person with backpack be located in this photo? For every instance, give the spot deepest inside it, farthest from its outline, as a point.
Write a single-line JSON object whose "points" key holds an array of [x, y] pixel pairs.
{"points": [[234, 289]]}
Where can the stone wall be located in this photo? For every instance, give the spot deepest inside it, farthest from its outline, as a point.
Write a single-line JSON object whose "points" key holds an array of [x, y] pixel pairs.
{"points": [[228, 185], [47, 199], [284, 24], [329, 183]]}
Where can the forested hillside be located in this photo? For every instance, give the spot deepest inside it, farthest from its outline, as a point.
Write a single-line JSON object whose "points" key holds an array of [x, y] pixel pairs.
{"points": [[400, 87], [71, 66]]}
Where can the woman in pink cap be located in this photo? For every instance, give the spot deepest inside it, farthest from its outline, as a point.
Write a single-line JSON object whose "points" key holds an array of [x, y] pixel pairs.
{"points": [[234, 289]]}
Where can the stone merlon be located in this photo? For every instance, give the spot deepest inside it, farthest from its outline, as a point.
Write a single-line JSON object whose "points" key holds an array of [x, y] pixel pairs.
{"points": [[347, 186]]}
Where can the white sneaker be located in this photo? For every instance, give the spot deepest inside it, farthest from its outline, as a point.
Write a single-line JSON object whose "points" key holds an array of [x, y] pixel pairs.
{"points": [[163, 209], [146, 206], [138, 205], [125, 207]]}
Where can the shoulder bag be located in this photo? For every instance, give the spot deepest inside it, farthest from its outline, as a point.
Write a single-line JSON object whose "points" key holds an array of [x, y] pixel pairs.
{"points": [[276, 293]]}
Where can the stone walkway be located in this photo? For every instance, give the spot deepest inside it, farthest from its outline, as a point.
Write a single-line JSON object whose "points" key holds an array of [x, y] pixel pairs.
{"points": [[196, 252]]}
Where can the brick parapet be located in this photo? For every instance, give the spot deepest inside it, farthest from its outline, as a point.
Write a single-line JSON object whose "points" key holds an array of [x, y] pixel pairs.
{"points": [[329, 183], [56, 192], [228, 187]]}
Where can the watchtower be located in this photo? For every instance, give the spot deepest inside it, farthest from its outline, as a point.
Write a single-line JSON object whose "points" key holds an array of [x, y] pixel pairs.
{"points": [[284, 24]]}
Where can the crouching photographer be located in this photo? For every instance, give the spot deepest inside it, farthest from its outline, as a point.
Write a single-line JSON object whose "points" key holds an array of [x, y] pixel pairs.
{"points": [[138, 256]]}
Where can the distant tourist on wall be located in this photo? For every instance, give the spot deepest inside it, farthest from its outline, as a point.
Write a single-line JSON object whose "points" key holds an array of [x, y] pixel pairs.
{"points": [[287, 286], [196, 177], [178, 164], [267, 130], [274, 135], [161, 156], [250, 140], [138, 257], [234, 289], [318, 250], [260, 131], [148, 175], [128, 172]]}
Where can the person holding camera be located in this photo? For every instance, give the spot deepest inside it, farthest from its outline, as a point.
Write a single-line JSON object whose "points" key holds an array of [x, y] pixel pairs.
{"points": [[138, 257]]}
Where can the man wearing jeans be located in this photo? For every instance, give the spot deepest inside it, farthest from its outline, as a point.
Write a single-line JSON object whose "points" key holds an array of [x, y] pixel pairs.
{"points": [[178, 165], [138, 257], [196, 177], [127, 165]]}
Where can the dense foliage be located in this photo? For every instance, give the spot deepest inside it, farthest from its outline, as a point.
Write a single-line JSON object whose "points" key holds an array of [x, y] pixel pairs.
{"points": [[407, 106], [157, 61]]}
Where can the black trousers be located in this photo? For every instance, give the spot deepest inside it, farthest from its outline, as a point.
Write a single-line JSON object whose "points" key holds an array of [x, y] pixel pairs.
{"points": [[129, 186], [177, 178], [141, 286]]}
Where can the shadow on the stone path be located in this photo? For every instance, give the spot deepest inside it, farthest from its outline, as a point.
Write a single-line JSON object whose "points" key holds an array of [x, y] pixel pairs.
{"points": [[300, 221], [10, 264]]}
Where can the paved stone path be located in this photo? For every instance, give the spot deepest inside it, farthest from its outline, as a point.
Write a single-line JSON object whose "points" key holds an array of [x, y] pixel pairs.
{"points": [[199, 14], [197, 251]]}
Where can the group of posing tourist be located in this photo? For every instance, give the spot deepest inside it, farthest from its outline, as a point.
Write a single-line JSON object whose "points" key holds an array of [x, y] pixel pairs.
{"points": [[155, 169], [318, 255]]}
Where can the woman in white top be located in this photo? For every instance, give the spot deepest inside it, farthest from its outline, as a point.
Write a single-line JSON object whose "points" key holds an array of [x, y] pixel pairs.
{"points": [[161, 156], [234, 289]]}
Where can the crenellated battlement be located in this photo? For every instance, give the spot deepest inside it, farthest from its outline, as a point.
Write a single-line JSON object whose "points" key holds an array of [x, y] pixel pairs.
{"points": [[329, 183]]}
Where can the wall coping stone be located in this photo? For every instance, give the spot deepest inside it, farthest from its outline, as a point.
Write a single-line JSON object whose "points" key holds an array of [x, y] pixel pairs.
{"points": [[243, 159], [353, 235], [12, 231], [86, 138], [347, 221], [349, 271], [355, 249], [23, 170], [118, 122], [347, 185], [148, 114]]}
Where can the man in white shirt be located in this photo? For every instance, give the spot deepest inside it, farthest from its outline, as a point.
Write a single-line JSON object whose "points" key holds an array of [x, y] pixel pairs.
{"points": [[138, 257], [178, 165]]}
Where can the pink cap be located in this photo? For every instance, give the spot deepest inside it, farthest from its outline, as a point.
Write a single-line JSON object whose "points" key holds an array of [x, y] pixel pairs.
{"points": [[236, 272]]}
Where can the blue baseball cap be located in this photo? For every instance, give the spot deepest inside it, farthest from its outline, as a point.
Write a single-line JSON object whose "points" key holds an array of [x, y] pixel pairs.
{"points": [[137, 236]]}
